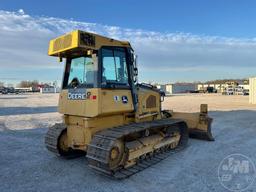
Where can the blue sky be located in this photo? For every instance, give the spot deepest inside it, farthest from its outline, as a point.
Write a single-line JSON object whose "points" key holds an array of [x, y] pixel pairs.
{"points": [[176, 40], [211, 17]]}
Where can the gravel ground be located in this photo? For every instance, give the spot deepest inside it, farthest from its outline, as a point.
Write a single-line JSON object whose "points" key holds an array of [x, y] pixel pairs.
{"points": [[25, 164]]}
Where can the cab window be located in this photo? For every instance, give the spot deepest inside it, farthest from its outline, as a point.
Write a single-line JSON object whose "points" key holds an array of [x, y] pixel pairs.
{"points": [[114, 67], [80, 72]]}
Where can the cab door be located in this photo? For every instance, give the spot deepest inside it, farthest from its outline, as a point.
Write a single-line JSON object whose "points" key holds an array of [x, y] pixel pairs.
{"points": [[116, 96]]}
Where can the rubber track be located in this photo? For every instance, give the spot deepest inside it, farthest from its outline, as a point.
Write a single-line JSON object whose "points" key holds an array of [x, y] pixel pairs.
{"points": [[52, 139], [52, 136], [101, 144]]}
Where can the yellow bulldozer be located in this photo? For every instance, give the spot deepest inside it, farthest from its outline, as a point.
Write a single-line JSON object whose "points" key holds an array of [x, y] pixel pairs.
{"points": [[108, 115]]}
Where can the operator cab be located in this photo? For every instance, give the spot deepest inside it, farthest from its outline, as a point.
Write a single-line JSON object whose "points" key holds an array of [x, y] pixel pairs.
{"points": [[106, 68], [100, 77]]}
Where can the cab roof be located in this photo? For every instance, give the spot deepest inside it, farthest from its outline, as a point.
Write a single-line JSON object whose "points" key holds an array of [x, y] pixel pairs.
{"points": [[80, 41]]}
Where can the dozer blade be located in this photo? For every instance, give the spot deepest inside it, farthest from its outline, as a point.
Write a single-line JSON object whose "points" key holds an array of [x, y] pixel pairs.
{"points": [[199, 124], [203, 133]]}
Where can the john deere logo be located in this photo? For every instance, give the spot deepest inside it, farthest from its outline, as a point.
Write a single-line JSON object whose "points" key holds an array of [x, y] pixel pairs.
{"points": [[76, 94], [125, 99], [236, 172]]}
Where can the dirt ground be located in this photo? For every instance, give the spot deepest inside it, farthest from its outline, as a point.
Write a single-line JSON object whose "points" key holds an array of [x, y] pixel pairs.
{"points": [[25, 164], [216, 102]]}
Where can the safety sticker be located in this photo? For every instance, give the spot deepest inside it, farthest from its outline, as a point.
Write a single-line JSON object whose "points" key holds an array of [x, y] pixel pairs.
{"points": [[116, 98]]}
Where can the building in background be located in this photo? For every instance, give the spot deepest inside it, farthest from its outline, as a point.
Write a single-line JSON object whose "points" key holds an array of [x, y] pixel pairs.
{"points": [[226, 87], [49, 89], [215, 87], [177, 88], [24, 89]]}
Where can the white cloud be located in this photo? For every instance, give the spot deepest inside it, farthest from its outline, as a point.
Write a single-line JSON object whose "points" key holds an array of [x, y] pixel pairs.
{"points": [[24, 43], [21, 11]]}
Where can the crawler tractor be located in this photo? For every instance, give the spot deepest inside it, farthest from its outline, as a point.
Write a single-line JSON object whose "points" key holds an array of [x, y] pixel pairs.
{"points": [[108, 116]]}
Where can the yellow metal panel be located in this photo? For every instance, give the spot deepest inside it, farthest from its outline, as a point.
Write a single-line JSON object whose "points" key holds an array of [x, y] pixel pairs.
{"points": [[73, 42], [106, 102], [63, 43], [144, 94], [81, 130], [111, 101], [88, 107], [76, 136]]}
